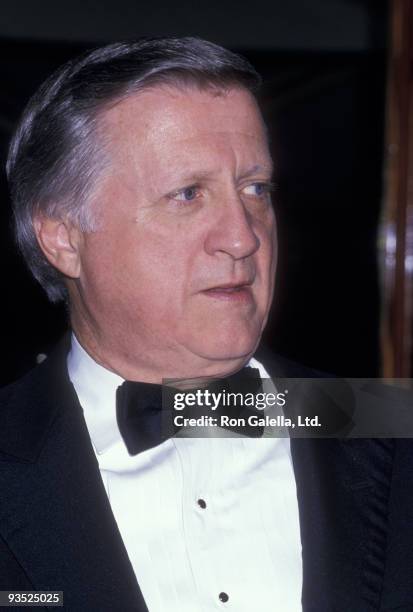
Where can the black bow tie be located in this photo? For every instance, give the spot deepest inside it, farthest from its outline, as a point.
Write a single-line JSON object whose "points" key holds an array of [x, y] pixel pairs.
{"points": [[145, 412]]}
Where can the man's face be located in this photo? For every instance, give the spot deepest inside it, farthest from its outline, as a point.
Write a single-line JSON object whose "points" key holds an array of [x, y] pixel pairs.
{"points": [[179, 277]]}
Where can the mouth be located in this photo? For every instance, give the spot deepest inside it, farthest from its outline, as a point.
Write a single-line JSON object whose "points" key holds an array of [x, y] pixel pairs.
{"points": [[232, 292]]}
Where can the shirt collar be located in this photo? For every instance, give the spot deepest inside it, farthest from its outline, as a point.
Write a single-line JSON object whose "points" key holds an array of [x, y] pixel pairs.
{"points": [[96, 389]]}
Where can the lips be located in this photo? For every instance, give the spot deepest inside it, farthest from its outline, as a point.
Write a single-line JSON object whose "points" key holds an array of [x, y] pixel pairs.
{"points": [[226, 289], [232, 286], [231, 291]]}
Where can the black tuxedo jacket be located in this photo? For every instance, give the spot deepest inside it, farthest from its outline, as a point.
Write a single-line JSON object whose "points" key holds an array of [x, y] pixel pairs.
{"points": [[57, 530]]}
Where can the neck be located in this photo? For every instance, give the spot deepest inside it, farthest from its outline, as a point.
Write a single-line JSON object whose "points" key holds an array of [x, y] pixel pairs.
{"points": [[152, 365]]}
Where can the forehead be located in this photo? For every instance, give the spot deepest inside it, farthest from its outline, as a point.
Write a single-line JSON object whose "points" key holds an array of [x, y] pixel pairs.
{"points": [[166, 124]]}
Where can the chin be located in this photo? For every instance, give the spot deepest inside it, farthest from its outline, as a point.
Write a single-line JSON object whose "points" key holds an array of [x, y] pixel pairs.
{"points": [[233, 347]]}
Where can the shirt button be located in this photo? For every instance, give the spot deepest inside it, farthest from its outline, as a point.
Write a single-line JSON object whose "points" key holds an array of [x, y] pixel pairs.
{"points": [[202, 503], [223, 597]]}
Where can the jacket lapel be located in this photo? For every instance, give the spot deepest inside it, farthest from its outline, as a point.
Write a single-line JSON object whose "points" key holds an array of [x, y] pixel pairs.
{"points": [[54, 513], [343, 490]]}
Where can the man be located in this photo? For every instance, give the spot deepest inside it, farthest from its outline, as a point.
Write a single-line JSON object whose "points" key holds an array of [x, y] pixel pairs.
{"points": [[141, 177]]}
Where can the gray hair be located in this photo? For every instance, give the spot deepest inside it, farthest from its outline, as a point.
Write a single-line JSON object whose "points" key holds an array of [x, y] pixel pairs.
{"points": [[55, 157]]}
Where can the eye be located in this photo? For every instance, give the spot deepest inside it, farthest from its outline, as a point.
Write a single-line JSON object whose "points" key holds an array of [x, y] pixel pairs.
{"points": [[188, 194], [258, 190]]}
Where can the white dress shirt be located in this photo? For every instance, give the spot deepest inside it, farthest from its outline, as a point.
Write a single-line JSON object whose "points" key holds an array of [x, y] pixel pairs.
{"points": [[208, 523]]}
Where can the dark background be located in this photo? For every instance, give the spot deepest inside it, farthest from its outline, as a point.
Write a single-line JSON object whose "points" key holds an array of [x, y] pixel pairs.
{"points": [[324, 64]]}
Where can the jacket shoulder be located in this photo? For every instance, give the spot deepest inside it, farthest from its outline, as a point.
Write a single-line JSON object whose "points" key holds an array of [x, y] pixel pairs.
{"points": [[280, 366], [29, 406]]}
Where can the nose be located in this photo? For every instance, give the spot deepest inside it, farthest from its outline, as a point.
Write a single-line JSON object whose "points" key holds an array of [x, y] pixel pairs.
{"points": [[232, 231]]}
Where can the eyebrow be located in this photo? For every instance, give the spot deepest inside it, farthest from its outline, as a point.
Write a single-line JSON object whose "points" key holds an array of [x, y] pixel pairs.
{"points": [[194, 177], [267, 169]]}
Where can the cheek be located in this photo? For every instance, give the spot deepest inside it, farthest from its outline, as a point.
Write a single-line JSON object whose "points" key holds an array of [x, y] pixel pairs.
{"points": [[267, 254], [274, 255], [106, 275], [137, 273]]}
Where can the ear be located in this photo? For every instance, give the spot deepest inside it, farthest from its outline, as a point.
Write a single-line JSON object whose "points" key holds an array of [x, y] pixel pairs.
{"points": [[60, 241]]}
